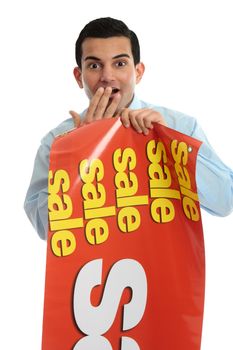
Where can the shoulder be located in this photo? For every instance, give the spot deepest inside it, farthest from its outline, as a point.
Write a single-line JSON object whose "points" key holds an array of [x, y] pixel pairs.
{"points": [[176, 120], [62, 128], [179, 121]]}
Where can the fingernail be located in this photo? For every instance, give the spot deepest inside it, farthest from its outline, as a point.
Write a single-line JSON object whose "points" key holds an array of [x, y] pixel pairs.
{"points": [[108, 89]]}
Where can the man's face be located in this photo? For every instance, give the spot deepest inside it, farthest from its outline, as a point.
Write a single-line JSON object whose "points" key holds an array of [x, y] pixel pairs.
{"points": [[109, 62]]}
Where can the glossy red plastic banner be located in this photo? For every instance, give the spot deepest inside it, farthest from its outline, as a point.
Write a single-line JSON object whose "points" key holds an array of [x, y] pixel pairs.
{"points": [[125, 257]]}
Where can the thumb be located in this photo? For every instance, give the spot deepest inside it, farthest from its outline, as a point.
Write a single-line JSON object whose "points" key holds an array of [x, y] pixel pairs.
{"points": [[76, 118]]}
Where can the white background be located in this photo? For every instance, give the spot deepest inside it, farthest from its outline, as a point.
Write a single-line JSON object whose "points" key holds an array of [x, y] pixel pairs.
{"points": [[187, 49]]}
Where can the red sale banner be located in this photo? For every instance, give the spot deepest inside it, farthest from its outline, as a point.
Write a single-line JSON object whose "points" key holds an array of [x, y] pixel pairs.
{"points": [[125, 257]]}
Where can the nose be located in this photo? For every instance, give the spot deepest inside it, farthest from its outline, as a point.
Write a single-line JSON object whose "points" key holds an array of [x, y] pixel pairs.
{"points": [[107, 74]]}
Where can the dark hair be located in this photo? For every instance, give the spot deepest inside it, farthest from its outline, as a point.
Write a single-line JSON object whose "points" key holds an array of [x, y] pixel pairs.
{"points": [[107, 27]]}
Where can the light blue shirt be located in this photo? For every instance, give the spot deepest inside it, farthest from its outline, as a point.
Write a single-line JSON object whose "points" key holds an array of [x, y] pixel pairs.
{"points": [[214, 179]]}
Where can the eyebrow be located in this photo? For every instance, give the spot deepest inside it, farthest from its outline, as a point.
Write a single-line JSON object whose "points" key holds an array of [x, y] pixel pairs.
{"points": [[121, 55], [98, 59]]}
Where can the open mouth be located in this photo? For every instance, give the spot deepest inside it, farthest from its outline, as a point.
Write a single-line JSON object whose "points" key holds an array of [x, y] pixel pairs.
{"points": [[114, 91]]}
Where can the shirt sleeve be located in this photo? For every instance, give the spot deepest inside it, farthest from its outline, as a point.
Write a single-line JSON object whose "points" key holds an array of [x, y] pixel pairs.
{"points": [[214, 179], [36, 201]]}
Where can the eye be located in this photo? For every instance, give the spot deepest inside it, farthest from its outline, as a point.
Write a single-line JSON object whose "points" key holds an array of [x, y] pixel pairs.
{"points": [[94, 65], [121, 63]]}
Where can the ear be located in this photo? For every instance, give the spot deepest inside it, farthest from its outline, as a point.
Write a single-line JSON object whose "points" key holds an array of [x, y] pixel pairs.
{"points": [[140, 68], [78, 76]]}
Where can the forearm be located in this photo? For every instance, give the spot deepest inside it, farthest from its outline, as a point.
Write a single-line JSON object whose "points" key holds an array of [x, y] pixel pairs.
{"points": [[215, 183], [36, 208], [36, 201]]}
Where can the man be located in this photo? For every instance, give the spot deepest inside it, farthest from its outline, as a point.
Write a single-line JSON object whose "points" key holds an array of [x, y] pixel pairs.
{"points": [[109, 67]]}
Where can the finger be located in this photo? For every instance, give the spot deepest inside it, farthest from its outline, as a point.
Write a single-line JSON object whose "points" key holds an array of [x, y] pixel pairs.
{"points": [[135, 120], [148, 123], [111, 109], [90, 114], [143, 120], [76, 118], [103, 103], [154, 117], [146, 118], [159, 119], [135, 124], [124, 114], [127, 115]]}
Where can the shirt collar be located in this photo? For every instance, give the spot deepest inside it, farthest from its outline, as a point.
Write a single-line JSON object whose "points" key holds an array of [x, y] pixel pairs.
{"points": [[135, 104]]}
